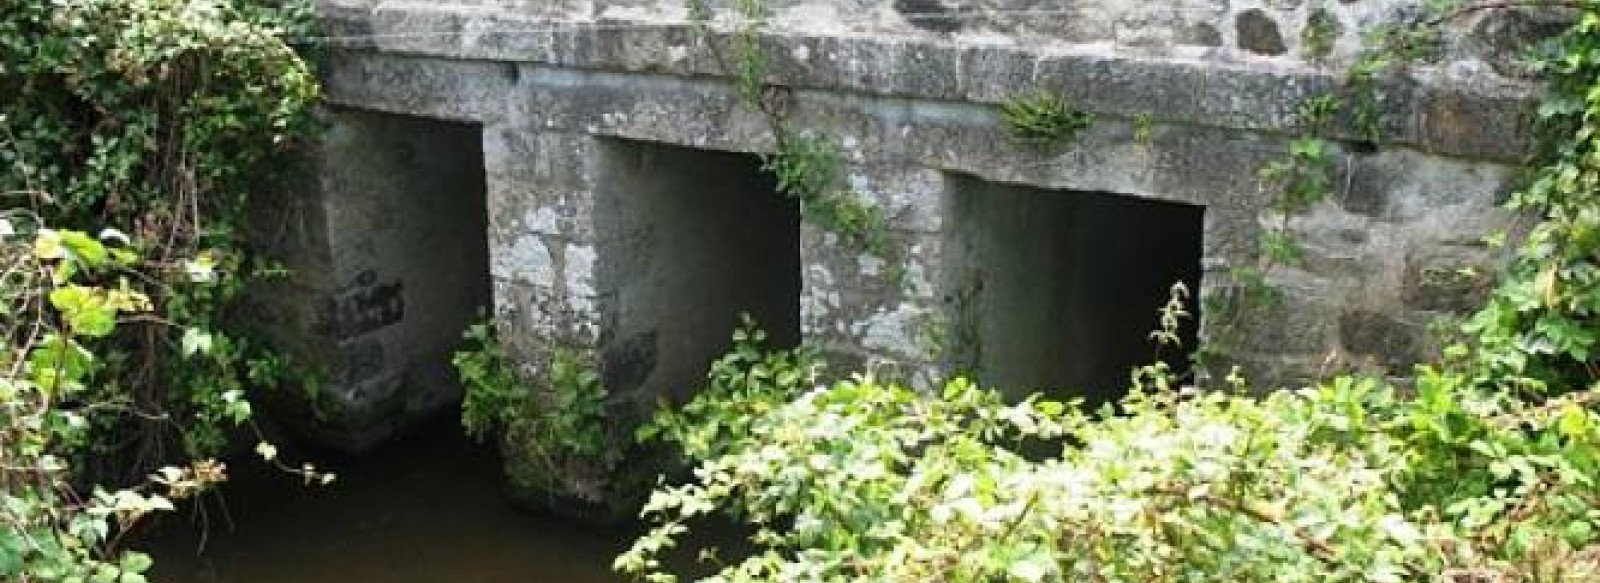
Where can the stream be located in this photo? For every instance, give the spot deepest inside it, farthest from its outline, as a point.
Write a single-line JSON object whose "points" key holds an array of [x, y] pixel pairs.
{"points": [[425, 509]]}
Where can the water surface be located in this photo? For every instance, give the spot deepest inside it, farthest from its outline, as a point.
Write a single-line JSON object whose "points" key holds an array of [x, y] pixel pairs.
{"points": [[426, 509]]}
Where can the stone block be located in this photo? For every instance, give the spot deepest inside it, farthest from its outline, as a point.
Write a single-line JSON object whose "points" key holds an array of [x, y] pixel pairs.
{"points": [[1482, 122], [1259, 33], [1451, 279], [1384, 338], [1125, 86], [994, 73]]}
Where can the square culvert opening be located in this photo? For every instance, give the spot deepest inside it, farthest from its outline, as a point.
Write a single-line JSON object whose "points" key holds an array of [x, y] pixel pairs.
{"points": [[689, 239], [1059, 290], [440, 246], [406, 207]]}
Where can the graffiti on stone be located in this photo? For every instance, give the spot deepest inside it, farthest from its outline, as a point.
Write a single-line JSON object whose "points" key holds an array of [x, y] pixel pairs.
{"points": [[361, 307]]}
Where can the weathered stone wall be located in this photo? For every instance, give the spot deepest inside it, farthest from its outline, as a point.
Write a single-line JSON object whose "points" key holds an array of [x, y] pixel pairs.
{"points": [[1327, 31], [910, 88]]}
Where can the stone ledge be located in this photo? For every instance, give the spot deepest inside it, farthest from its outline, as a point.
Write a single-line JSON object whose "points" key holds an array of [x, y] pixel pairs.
{"points": [[1483, 117]]}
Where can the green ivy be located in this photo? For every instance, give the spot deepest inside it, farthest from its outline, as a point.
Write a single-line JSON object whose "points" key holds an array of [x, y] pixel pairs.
{"points": [[1540, 330], [159, 125]]}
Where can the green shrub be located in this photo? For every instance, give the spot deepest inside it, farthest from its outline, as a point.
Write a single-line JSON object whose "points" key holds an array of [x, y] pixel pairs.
{"points": [[742, 387], [554, 415], [1346, 481], [164, 120], [64, 292], [155, 123]]}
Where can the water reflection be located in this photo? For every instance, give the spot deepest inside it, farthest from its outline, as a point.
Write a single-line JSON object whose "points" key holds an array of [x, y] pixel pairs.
{"points": [[427, 509]]}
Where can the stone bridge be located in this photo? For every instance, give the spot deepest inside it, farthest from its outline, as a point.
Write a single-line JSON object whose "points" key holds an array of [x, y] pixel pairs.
{"points": [[585, 168]]}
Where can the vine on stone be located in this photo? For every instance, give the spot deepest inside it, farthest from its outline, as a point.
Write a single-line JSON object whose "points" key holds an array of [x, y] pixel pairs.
{"points": [[809, 166]]}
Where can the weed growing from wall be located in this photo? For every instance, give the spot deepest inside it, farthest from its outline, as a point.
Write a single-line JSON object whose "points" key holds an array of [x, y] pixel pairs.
{"points": [[809, 166], [1042, 119], [1303, 177], [1144, 128]]}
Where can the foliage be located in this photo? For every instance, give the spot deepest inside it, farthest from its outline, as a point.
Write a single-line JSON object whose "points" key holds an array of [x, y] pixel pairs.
{"points": [[742, 386], [808, 166], [51, 309], [1539, 331], [164, 119], [1143, 129], [557, 414], [1347, 481], [808, 169], [1042, 118], [492, 393], [65, 291]]}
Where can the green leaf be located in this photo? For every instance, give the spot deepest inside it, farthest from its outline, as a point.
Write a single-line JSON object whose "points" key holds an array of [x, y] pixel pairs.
{"points": [[86, 310], [195, 341], [58, 363], [135, 562]]}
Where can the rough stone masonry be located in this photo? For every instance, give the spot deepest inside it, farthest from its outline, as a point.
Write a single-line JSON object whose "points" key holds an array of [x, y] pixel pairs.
{"points": [[627, 214]]}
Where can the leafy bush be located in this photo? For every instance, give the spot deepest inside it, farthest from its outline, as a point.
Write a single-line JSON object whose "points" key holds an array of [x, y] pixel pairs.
{"points": [[1540, 331], [742, 387], [555, 415], [63, 291], [163, 120], [1347, 481]]}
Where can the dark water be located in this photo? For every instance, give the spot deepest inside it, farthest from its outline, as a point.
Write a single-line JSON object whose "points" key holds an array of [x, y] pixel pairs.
{"points": [[423, 510]]}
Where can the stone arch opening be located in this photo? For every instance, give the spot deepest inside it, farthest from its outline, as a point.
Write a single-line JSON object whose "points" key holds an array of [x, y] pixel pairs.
{"points": [[688, 240], [1058, 289]]}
